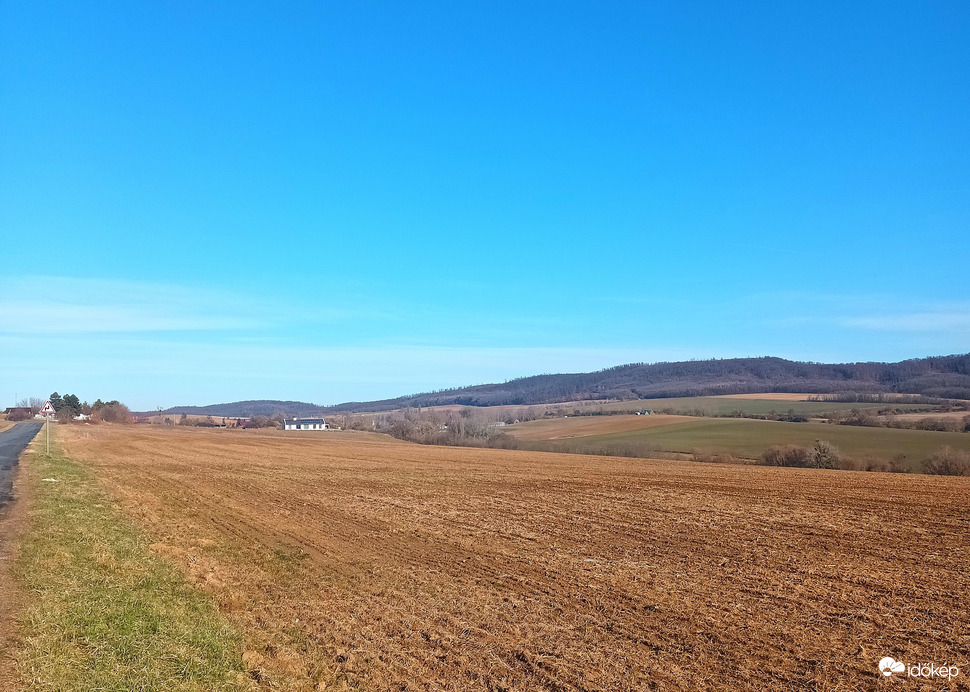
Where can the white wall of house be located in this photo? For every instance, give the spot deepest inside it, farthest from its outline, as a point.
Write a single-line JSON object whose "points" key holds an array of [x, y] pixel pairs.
{"points": [[301, 425]]}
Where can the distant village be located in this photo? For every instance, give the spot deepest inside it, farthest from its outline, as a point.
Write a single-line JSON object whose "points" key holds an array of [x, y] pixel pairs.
{"points": [[70, 409], [22, 413], [318, 423]]}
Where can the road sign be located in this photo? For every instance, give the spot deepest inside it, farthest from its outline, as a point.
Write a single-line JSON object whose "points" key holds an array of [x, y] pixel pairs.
{"points": [[47, 411]]}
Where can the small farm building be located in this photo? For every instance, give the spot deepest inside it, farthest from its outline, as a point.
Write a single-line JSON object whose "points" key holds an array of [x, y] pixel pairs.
{"points": [[304, 424]]}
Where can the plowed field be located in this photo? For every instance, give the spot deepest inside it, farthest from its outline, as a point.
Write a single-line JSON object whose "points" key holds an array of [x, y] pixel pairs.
{"points": [[358, 561]]}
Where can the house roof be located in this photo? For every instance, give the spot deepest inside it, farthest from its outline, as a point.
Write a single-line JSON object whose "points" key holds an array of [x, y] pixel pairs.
{"points": [[297, 421]]}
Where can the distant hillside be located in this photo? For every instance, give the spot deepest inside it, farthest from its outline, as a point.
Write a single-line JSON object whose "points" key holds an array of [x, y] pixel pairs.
{"points": [[245, 409], [943, 376]]}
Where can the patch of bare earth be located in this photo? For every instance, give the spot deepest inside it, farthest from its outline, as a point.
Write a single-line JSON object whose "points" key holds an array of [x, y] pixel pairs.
{"points": [[945, 415], [375, 564]]}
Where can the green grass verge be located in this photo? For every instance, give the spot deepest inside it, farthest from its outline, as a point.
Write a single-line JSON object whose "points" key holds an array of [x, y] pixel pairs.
{"points": [[104, 612], [748, 438]]}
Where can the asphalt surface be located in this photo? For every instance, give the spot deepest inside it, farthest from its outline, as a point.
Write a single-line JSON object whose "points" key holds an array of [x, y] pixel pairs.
{"points": [[12, 443]]}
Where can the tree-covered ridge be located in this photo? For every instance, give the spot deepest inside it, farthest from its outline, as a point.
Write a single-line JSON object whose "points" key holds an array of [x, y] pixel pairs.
{"points": [[942, 376], [249, 408]]}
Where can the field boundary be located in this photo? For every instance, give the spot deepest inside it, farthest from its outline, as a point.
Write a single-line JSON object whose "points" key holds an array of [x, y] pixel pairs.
{"points": [[101, 608]]}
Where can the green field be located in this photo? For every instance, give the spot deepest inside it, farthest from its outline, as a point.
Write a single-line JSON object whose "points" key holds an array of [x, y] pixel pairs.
{"points": [[748, 438], [719, 406]]}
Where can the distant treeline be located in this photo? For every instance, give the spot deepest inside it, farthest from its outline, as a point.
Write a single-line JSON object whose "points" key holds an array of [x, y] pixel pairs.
{"points": [[939, 377], [946, 461], [869, 420], [70, 406]]}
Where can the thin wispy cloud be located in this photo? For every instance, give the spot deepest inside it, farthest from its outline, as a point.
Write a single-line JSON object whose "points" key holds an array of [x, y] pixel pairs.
{"points": [[38, 317], [43, 306], [867, 312], [163, 344], [60, 305], [953, 321], [46, 305], [151, 338]]}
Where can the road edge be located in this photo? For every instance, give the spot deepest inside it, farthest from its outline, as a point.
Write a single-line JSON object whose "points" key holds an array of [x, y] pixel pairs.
{"points": [[13, 599]]}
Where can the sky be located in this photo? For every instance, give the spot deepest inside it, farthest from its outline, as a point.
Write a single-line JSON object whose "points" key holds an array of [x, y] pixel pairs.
{"points": [[332, 201]]}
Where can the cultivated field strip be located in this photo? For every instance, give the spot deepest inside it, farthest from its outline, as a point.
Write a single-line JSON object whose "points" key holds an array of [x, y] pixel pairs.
{"points": [[355, 560]]}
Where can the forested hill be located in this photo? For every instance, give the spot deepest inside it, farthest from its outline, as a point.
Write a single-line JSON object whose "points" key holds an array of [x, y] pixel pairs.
{"points": [[246, 409], [944, 376]]}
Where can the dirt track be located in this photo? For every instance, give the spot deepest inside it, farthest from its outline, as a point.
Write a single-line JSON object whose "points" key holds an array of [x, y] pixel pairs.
{"points": [[352, 559]]}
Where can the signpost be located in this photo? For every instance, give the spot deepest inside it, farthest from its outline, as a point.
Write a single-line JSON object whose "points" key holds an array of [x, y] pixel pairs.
{"points": [[47, 411]]}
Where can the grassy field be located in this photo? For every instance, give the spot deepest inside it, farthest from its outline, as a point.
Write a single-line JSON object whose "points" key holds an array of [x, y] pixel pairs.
{"points": [[740, 437], [726, 405], [584, 426], [105, 612], [358, 561]]}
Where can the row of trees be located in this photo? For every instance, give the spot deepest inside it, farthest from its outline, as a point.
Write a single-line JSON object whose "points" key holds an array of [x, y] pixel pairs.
{"points": [[466, 422], [946, 461], [227, 421], [29, 406], [466, 427], [69, 406], [871, 420]]}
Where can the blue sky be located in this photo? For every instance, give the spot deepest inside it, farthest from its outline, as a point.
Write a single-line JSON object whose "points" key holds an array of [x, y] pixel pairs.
{"points": [[204, 202]]}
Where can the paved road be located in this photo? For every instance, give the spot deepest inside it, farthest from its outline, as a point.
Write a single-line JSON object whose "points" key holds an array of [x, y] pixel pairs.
{"points": [[12, 443]]}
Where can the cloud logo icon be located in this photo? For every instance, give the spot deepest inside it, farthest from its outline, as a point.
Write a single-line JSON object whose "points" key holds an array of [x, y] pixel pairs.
{"points": [[889, 665]]}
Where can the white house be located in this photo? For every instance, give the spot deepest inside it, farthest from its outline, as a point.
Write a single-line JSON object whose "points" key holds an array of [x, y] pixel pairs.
{"points": [[304, 424]]}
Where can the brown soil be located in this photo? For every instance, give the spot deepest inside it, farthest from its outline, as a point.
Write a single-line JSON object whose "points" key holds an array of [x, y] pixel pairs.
{"points": [[564, 428], [355, 560], [959, 415]]}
